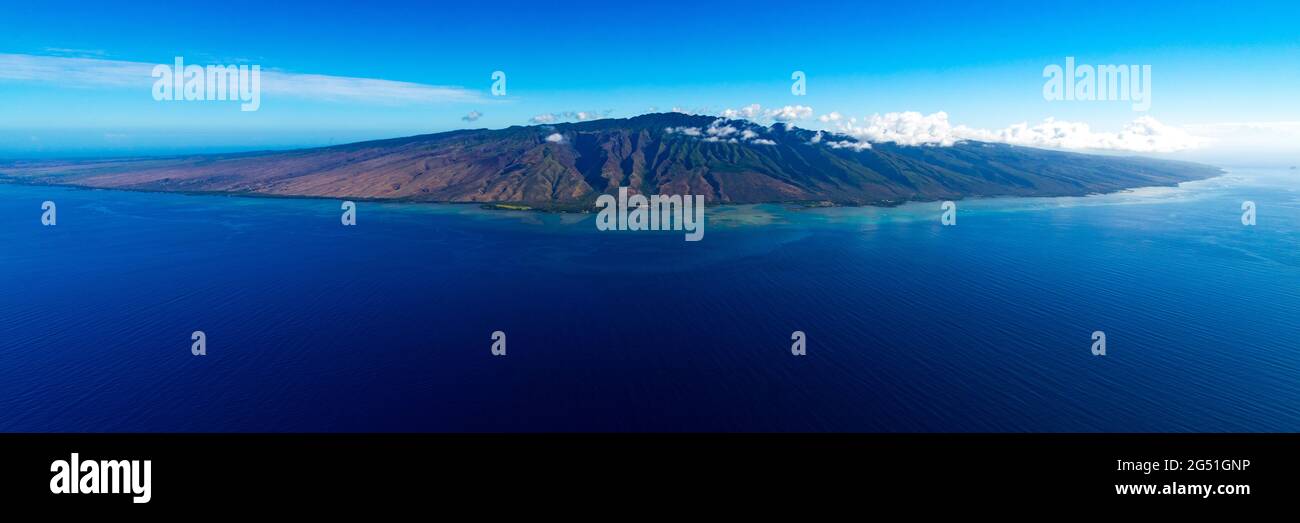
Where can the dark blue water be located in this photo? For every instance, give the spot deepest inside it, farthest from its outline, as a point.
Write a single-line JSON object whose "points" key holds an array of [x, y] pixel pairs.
{"points": [[911, 326]]}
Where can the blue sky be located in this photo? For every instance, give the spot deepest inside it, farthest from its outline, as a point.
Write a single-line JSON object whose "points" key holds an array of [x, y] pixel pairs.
{"points": [[1215, 70]]}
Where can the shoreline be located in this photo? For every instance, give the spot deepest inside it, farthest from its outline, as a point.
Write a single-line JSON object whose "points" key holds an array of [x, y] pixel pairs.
{"points": [[574, 209]]}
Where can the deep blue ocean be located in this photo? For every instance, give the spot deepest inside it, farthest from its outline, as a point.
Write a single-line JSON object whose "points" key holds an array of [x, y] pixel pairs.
{"points": [[911, 326]]}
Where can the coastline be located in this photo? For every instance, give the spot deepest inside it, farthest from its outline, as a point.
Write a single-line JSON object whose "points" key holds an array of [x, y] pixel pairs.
{"points": [[510, 206]]}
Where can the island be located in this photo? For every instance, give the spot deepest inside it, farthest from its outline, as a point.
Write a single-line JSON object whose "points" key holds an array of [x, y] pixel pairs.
{"points": [[568, 166]]}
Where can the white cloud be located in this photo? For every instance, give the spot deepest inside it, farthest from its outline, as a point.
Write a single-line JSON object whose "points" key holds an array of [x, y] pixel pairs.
{"points": [[84, 53], [846, 144], [718, 128], [472, 116], [1145, 134], [906, 128], [723, 130], [790, 113], [75, 72], [96, 73], [580, 116], [830, 117], [344, 89], [755, 113], [555, 138], [749, 112]]}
